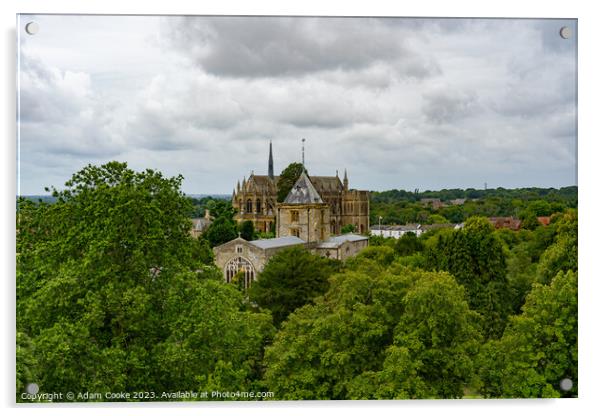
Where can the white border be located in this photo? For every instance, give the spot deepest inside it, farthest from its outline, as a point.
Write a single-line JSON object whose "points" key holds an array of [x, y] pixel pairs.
{"points": [[589, 194]]}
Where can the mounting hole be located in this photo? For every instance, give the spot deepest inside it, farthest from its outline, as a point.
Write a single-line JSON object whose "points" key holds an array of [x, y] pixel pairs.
{"points": [[566, 384], [565, 32], [32, 28], [32, 388]]}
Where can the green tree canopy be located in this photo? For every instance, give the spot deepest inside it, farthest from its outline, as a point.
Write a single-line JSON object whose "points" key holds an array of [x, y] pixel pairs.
{"points": [[475, 257], [539, 347], [247, 230], [353, 338], [291, 279], [287, 179], [103, 275], [562, 254], [436, 340], [408, 244]]}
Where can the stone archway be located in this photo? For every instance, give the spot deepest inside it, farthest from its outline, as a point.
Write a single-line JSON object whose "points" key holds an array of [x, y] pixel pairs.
{"points": [[236, 265]]}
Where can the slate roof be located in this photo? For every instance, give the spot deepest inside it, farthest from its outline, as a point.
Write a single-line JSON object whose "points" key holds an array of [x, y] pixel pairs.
{"points": [[303, 192], [264, 181], [326, 184], [277, 242], [334, 242]]}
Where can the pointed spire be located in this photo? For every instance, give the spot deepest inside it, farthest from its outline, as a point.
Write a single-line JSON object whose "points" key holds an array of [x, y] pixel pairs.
{"points": [[237, 186], [303, 153], [271, 163], [346, 181]]}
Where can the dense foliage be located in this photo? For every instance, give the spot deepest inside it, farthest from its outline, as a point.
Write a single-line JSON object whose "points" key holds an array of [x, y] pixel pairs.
{"points": [[113, 294], [474, 256], [287, 179], [539, 347], [402, 207], [291, 279], [396, 334]]}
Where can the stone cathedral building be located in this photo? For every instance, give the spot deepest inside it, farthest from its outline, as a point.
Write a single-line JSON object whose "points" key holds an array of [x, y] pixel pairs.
{"points": [[255, 200], [312, 215]]}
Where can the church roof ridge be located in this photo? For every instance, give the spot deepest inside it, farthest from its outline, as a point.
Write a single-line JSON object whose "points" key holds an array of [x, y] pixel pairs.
{"points": [[303, 192]]}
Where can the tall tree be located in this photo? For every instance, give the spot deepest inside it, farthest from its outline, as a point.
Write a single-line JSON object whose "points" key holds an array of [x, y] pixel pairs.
{"points": [[436, 341], [475, 257], [104, 272], [562, 254], [247, 230], [539, 347], [349, 343], [287, 179], [291, 279]]}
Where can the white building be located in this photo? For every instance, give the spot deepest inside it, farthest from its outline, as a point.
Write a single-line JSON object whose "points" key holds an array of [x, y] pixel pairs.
{"points": [[396, 231]]}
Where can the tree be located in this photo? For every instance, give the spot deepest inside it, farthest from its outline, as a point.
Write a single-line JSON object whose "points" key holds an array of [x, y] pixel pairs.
{"points": [[247, 230], [351, 343], [104, 272], [529, 221], [475, 257], [539, 347], [562, 254], [436, 340], [291, 278], [26, 363], [287, 179], [322, 347], [349, 228], [408, 244], [214, 339], [221, 230]]}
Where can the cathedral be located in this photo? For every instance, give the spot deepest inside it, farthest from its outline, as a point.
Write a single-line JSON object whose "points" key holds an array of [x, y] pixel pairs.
{"points": [[255, 200], [312, 216]]}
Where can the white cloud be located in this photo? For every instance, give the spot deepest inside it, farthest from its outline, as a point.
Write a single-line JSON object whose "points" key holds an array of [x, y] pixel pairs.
{"points": [[402, 103]]}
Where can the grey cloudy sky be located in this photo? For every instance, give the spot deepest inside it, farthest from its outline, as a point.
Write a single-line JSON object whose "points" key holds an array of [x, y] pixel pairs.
{"points": [[400, 103]]}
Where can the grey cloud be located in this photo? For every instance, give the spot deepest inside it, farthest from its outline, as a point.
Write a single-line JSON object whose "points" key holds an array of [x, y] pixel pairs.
{"points": [[445, 104], [401, 103], [59, 113], [283, 46]]}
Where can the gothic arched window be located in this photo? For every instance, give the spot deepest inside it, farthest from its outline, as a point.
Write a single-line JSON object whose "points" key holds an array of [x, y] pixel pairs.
{"points": [[258, 205], [239, 264], [249, 206]]}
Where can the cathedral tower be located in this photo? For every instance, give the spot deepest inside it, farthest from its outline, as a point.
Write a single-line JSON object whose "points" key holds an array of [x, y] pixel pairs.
{"points": [[303, 213]]}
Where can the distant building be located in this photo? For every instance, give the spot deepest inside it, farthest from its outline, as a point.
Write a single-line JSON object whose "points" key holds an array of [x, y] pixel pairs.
{"points": [[545, 221], [397, 231], [435, 203], [458, 201], [199, 225], [510, 223]]}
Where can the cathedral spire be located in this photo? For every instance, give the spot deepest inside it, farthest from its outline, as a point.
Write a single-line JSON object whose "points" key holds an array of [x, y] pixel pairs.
{"points": [[346, 181], [271, 163]]}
